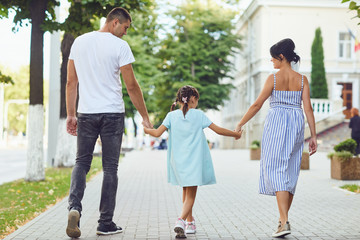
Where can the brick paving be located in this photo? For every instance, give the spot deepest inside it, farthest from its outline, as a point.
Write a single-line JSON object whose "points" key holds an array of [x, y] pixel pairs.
{"points": [[147, 205]]}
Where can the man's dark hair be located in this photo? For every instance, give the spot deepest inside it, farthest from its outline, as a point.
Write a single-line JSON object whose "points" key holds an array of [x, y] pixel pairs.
{"points": [[118, 13]]}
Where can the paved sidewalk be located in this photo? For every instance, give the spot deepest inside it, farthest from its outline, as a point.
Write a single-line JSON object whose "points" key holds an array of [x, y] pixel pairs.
{"points": [[147, 205]]}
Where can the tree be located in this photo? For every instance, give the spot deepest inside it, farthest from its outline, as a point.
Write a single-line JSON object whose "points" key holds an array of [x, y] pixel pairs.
{"points": [[39, 13], [318, 83], [354, 6], [197, 53], [84, 16], [5, 79]]}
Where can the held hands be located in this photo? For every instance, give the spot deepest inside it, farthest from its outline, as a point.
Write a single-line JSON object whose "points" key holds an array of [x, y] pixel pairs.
{"points": [[239, 131], [312, 146], [238, 134], [71, 125], [146, 123], [146, 130], [238, 128]]}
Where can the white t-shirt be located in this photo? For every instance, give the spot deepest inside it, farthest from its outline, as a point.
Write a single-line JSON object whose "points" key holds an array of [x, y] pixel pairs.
{"points": [[98, 57]]}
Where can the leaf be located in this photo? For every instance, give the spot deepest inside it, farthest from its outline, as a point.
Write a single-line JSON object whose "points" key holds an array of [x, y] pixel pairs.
{"points": [[344, 1], [353, 6]]}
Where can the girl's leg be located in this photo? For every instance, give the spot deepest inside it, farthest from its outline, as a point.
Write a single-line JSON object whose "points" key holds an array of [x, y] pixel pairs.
{"points": [[184, 194], [188, 202], [284, 200], [189, 217]]}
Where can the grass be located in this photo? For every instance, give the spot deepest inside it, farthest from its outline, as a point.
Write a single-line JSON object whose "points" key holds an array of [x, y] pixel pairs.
{"points": [[22, 201], [343, 155], [352, 187]]}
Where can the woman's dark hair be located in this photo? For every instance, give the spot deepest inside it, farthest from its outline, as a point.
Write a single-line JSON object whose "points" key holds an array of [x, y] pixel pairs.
{"points": [[183, 96], [285, 47]]}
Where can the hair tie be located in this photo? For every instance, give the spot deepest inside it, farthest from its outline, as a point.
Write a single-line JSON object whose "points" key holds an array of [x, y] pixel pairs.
{"points": [[174, 103], [184, 99]]}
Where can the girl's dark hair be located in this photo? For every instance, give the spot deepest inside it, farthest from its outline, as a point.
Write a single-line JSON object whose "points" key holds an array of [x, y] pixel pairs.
{"points": [[183, 96], [286, 48]]}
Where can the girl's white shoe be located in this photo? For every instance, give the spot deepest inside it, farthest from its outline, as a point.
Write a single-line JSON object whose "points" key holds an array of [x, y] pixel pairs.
{"points": [[180, 228], [190, 227]]}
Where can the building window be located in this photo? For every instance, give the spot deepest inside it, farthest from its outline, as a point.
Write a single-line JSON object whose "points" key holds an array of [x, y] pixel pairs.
{"points": [[345, 49]]}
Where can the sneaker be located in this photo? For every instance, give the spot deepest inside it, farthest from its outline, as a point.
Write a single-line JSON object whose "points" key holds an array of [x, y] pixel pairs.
{"points": [[103, 229], [72, 229], [180, 228], [282, 230], [190, 227]]}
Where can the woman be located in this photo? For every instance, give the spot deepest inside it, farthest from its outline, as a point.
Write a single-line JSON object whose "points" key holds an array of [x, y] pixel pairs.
{"points": [[283, 136], [355, 128]]}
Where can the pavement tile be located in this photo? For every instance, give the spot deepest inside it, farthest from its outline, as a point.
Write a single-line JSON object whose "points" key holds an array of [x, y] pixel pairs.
{"points": [[147, 206]]}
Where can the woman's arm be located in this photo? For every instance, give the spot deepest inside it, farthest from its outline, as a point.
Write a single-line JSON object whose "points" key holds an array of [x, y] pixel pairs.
{"points": [[309, 116], [225, 132], [256, 106], [155, 132]]}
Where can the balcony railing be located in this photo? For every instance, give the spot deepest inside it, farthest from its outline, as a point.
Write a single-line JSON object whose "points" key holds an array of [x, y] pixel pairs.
{"points": [[322, 106]]}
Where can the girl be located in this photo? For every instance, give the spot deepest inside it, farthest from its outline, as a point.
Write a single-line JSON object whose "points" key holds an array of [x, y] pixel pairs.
{"points": [[283, 135], [188, 157]]}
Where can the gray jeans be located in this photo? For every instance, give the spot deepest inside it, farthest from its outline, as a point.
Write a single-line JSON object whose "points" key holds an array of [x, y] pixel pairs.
{"points": [[110, 127]]}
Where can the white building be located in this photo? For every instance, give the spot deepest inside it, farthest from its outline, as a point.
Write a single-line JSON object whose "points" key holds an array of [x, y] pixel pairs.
{"points": [[264, 23]]}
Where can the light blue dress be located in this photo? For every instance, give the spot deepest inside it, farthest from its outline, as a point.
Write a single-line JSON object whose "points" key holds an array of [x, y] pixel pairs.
{"points": [[282, 142], [189, 161]]}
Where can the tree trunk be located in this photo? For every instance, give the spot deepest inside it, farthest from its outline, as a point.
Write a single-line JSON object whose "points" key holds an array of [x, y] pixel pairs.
{"points": [[66, 144], [66, 44], [35, 157], [135, 126], [193, 70]]}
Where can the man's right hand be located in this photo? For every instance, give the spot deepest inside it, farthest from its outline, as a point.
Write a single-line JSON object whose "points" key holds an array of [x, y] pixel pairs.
{"points": [[147, 123], [71, 125]]}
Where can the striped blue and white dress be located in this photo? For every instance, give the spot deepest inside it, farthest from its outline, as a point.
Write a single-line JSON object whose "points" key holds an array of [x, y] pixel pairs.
{"points": [[282, 142]]}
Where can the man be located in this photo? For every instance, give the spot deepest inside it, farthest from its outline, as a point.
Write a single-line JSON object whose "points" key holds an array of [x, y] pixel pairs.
{"points": [[95, 62]]}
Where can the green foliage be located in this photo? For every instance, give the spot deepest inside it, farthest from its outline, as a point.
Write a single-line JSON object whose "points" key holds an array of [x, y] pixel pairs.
{"points": [[143, 39], [17, 113], [84, 15], [23, 13], [342, 156], [5, 79], [197, 53], [255, 144], [351, 187], [348, 145], [318, 85], [354, 6], [21, 201]]}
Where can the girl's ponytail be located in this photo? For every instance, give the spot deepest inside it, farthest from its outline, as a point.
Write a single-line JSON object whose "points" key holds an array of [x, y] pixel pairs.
{"points": [[172, 108], [186, 106], [183, 97]]}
